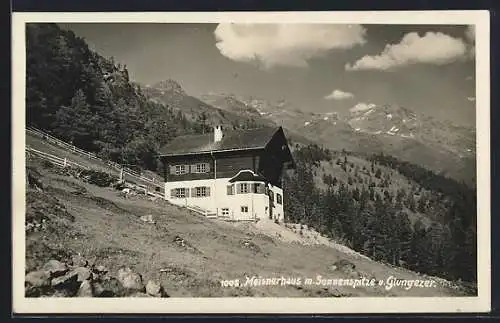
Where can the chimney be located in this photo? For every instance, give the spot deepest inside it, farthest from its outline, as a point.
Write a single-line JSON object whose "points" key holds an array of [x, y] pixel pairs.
{"points": [[218, 133]]}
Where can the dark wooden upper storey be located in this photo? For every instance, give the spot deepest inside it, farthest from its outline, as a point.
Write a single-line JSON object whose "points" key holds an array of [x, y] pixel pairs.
{"points": [[265, 151]]}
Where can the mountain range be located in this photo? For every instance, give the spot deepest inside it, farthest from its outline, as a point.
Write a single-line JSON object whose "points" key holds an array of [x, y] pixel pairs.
{"points": [[441, 146]]}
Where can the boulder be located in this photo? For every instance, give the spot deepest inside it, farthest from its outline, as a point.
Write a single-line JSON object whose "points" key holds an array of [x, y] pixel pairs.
{"points": [[109, 288], [147, 218], [62, 293], [83, 273], [130, 280], [39, 278], [55, 268], [66, 280], [345, 267], [85, 289], [139, 294], [68, 284], [154, 288], [101, 270], [79, 261]]}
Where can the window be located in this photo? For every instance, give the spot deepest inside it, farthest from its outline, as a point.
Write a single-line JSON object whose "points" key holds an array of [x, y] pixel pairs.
{"points": [[230, 189], [201, 191], [243, 188], [180, 169], [256, 188], [225, 212], [201, 168], [179, 192], [244, 209], [279, 199]]}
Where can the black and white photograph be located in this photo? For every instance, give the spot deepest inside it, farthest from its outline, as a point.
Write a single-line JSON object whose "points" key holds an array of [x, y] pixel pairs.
{"points": [[251, 162]]}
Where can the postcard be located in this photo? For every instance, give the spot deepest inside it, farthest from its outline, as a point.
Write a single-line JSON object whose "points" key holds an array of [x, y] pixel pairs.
{"points": [[251, 162]]}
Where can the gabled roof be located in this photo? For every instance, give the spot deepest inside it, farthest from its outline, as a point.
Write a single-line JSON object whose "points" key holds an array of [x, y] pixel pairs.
{"points": [[231, 140], [247, 176]]}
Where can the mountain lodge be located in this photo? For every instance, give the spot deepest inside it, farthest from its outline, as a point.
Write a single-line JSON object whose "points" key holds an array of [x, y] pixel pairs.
{"points": [[235, 174]]}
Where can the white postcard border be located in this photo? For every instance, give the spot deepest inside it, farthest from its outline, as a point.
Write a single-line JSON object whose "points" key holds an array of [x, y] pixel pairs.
{"points": [[481, 303]]}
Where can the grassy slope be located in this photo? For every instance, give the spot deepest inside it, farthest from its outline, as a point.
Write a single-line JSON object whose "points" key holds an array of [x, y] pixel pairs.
{"points": [[107, 230]]}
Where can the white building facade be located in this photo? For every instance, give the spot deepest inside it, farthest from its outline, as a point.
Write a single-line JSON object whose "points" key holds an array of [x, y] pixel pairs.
{"points": [[238, 201]]}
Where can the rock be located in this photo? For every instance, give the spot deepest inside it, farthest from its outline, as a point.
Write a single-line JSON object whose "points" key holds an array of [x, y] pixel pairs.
{"points": [[37, 284], [344, 264], [139, 294], [147, 218], [79, 261], [154, 289], [83, 273], [130, 280], [85, 289], [55, 268], [68, 284], [66, 280], [39, 278], [109, 288], [345, 267], [62, 293], [101, 269]]}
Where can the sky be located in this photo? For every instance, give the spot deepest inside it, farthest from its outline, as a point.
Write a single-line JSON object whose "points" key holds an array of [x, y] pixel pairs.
{"points": [[317, 67]]}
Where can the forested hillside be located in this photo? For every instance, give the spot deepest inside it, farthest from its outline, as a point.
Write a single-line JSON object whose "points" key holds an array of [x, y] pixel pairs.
{"points": [[89, 100], [389, 210]]}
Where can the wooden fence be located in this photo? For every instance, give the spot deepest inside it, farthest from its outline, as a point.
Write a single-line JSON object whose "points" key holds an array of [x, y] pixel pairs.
{"points": [[75, 150], [112, 167]]}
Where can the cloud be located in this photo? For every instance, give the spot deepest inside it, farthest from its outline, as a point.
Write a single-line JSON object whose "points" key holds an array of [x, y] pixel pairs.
{"points": [[339, 95], [432, 48], [284, 44], [471, 98], [360, 107], [470, 33], [470, 36]]}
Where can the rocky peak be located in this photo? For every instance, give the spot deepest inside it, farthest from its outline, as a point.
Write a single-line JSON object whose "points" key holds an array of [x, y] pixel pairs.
{"points": [[170, 86]]}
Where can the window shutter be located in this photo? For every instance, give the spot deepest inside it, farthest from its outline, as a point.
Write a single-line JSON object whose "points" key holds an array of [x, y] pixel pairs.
{"points": [[191, 192], [208, 190], [172, 193], [207, 167], [172, 169], [187, 168], [229, 190], [262, 189], [238, 188]]}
